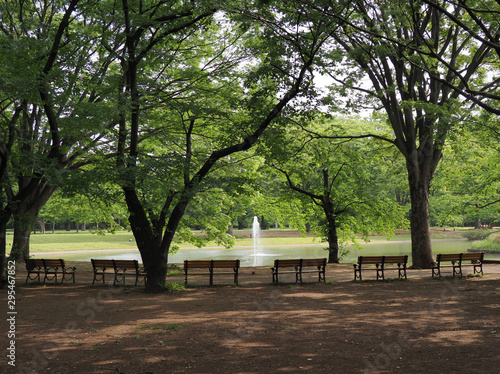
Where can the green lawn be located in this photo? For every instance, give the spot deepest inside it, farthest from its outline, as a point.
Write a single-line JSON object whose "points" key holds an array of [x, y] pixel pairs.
{"points": [[75, 241], [86, 240]]}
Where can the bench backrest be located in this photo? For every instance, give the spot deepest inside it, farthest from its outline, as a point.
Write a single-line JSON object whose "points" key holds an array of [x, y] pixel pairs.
{"points": [[370, 259], [448, 257], [197, 264], [207, 264], [286, 263], [226, 263], [32, 263], [396, 259], [50, 263], [402, 259], [102, 263], [126, 264], [313, 262], [474, 256], [289, 263]]}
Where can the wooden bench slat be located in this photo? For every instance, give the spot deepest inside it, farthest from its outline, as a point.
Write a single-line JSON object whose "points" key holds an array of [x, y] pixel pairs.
{"points": [[477, 256]]}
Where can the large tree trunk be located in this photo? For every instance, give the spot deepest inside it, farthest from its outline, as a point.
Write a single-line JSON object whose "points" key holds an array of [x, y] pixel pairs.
{"points": [[421, 247], [155, 261], [153, 250], [24, 220], [21, 241], [25, 217]]}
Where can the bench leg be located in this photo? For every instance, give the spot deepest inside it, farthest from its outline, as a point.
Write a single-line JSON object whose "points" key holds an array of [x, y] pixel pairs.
{"points": [[236, 276], [459, 267], [402, 272], [37, 277], [211, 276], [96, 276], [436, 271], [275, 275], [117, 280], [321, 275], [357, 274], [298, 275], [478, 269], [46, 277], [380, 272], [70, 275]]}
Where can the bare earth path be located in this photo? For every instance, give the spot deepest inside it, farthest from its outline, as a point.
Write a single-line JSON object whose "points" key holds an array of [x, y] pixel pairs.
{"points": [[422, 325]]}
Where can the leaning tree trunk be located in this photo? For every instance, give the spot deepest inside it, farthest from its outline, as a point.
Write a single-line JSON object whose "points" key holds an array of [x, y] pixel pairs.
{"points": [[421, 247], [25, 217], [152, 246], [23, 223]]}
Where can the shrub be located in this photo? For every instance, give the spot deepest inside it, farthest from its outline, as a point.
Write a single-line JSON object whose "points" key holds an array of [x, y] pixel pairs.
{"points": [[475, 235], [174, 287], [490, 243]]}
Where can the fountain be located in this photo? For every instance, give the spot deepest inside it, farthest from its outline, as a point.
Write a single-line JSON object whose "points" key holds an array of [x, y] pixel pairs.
{"points": [[257, 245]]}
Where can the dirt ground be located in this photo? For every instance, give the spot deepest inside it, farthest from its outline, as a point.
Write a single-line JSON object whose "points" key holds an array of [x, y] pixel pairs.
{"points": [[422, 325]]}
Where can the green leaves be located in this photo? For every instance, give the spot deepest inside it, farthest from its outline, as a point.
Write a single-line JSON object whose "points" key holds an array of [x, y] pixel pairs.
{"points": [[327, 178]]}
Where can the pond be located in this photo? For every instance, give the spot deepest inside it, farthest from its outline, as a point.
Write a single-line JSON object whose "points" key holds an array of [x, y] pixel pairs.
{"points": [[270, 253]]}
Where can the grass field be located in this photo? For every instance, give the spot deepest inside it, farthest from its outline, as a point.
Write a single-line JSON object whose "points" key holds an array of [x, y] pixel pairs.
{"points": [[86, 240]]}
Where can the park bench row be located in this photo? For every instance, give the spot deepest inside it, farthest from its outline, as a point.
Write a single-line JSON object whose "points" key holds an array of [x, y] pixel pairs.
{"points": [[120, 269], [299, 267], [52, 268]]}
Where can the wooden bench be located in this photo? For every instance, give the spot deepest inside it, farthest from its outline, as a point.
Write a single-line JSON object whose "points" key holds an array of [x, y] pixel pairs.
{"points": [[119, 270], [380, 262], [300, 266], [457, 262], [50, 268], [211, 265]]}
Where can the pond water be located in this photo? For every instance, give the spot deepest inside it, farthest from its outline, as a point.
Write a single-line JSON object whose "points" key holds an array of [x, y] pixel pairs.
{"points": [[270, 253]]}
